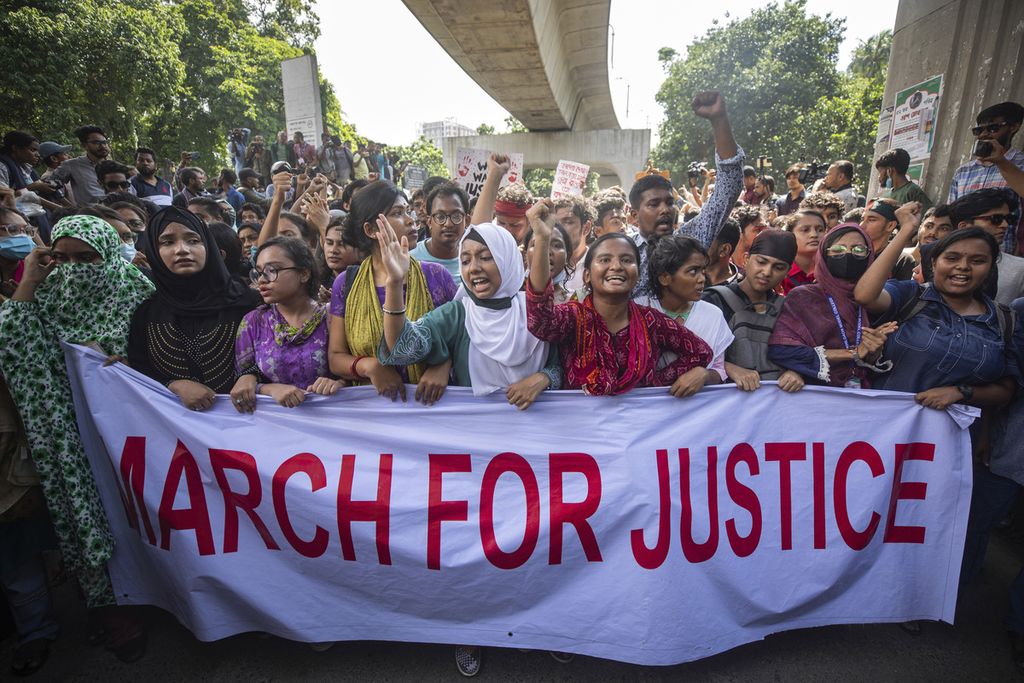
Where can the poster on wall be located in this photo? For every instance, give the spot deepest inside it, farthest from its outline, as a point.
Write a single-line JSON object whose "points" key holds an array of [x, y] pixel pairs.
{"points": [[915, 118]]}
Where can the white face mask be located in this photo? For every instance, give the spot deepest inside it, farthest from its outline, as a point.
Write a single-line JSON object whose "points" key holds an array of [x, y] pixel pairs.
{"points": [[128, 252]]}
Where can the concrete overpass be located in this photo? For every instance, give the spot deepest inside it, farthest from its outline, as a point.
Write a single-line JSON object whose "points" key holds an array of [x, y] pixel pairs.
{"points": [[546, 62]]}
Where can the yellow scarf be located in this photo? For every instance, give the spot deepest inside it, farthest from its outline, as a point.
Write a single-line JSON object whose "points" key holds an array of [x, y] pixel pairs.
{"points": [[364, 322]]}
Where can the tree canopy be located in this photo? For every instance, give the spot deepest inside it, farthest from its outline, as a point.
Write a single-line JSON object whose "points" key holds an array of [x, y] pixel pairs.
{"points": [[174, 75], [786, 97]]}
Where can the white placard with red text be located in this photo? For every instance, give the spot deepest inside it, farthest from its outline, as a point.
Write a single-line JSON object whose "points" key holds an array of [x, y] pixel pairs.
{"points": [[570, 179], [559, 528], [471, 169]]}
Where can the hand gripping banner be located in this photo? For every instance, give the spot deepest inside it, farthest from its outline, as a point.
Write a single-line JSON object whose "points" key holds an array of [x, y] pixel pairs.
{"points": [[640, 528]]}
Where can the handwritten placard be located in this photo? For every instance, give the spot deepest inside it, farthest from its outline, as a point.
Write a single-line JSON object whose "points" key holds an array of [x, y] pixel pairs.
{"points": [[570, 179], [471, 169]]}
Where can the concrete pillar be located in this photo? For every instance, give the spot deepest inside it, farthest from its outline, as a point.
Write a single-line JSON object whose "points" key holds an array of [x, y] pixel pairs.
{"points": [[620, 153], [978, 46]]}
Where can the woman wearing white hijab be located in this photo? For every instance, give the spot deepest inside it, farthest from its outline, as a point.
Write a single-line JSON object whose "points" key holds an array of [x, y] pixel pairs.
{"points": [[483, 331]]}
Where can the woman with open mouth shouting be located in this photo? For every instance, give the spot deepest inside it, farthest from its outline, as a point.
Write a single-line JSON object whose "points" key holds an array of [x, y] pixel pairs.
{"points": [[953, 340], [482, 332], [608, 343]]}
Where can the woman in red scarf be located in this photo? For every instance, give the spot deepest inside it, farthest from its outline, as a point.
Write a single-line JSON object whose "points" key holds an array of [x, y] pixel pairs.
{"points": [[822, 333], [608, 344]]}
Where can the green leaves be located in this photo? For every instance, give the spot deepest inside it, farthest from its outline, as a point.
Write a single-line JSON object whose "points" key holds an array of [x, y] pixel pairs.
{"points": [[423, 153], [786, 98], [174, 75]]}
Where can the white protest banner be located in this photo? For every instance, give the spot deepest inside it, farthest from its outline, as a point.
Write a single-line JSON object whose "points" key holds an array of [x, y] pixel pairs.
{"points": [[570, 179], [471, 169], [640, 528]]}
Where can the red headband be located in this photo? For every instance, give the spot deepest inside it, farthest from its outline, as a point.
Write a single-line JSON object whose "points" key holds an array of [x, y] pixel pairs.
{"points": [[509, 208]]}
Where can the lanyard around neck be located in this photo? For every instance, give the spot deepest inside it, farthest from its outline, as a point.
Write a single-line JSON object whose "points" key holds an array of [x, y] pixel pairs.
{"points": [[839, 323]]}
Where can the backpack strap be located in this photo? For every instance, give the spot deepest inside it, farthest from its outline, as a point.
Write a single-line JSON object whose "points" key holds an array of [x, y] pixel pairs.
{"points": [[729, 297], [908, 310], [1007, 323]]}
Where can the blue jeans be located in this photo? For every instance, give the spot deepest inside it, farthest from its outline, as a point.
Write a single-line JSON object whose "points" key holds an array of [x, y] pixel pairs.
{"points": [[991, 500], [23, 581]]}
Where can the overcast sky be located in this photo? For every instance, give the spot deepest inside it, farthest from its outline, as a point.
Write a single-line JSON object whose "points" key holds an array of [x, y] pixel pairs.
{"points": [[385, 67]]}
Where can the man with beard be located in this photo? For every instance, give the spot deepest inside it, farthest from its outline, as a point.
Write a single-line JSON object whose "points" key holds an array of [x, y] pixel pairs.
{"points": [[81, 171], [653, 202], [146, 183], [995, 162]]}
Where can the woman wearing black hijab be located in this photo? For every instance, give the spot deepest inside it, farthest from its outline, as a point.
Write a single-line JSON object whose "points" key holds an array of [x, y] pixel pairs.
{"points": [[184, 335]]}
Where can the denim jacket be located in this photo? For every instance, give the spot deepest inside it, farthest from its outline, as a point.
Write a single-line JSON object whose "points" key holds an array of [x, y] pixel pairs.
{"points": [[938, 347]]}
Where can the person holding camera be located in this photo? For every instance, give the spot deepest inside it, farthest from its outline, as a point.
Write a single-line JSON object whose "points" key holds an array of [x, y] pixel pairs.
{"points": [[996, 163], [258, 158], [237, 139]]}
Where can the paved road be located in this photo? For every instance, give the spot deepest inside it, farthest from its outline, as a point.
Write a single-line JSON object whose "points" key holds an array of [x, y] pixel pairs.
{"points": [[975, 650]]}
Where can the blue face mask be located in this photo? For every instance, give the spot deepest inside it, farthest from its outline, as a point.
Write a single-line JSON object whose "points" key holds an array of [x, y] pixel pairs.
{"points": [[16, 248], [252, 254], [888, 183], [128, 252]]}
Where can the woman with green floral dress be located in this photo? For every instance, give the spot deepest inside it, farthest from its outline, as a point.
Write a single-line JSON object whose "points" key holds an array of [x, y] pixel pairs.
{"points": [[80, 291]]}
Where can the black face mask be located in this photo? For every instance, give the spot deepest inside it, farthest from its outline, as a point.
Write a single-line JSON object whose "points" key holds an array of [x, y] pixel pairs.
{"points": [[847, 266]]}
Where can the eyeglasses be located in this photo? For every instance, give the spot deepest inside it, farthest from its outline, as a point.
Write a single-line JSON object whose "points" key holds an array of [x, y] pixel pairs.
{"points": [[996, 218], [988, 128], [858, 250], [116, 184], [12, 229], [269, 273], [101, 143], [456, 218]]}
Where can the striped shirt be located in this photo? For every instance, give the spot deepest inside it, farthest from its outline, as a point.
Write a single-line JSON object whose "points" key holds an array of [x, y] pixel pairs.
{"points": [[975, 176]]}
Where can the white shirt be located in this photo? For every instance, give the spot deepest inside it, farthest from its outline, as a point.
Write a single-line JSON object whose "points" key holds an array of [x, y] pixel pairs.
{"points": [[707, 322]]}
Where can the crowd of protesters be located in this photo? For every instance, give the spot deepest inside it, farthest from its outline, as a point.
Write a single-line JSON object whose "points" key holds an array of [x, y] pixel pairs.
{"points": [[302, 270]]}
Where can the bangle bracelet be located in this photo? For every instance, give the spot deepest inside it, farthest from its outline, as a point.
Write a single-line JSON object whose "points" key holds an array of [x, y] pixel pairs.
{"points": [[389, 312], [352, 368]]}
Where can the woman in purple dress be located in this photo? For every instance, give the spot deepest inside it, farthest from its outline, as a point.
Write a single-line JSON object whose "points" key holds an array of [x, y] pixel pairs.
{"points": [[281, 347]]}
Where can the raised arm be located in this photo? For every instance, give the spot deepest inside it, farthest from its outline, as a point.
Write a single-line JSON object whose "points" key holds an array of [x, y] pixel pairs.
{"points": [[542, 219], [497, 167], [1013, 175], [729, 177], [870, 290], [282, 184], [395, 255]]}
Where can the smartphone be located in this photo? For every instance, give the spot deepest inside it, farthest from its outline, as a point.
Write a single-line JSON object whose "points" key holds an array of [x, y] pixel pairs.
{"points": [[982, 148]]}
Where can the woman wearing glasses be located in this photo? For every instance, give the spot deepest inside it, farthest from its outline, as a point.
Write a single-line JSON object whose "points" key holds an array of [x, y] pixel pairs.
{"points": [[822, 333], [184, 335], [281, 348], [447, 208]]}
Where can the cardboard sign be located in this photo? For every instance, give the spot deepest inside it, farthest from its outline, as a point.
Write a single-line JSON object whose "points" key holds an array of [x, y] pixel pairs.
{"points": [[570, 179], [471, 169]]}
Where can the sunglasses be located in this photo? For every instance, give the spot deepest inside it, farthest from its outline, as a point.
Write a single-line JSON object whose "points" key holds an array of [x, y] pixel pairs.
{"points": [[996, 218], [988, 128], [115, 184]]}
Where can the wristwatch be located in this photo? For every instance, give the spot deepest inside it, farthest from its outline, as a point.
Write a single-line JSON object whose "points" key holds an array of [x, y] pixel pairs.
{"points": [[967, 390]]}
